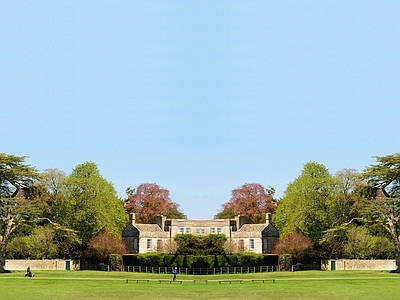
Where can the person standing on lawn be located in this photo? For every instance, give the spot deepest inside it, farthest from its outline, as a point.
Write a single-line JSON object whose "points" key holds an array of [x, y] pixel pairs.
{"points": [[175, 272]]}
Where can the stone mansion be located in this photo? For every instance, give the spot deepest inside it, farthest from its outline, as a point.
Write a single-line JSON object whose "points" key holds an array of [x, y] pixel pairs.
{"points": [[256, 238]]}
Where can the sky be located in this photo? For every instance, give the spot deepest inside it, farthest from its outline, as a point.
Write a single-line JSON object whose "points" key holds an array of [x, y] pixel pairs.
{"points": [[200, 97]]}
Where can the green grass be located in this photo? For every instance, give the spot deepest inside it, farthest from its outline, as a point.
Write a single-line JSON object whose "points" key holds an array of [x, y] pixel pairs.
{"points": [[298, 285]]}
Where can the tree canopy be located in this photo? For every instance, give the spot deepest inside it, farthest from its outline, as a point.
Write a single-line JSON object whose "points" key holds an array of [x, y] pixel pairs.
{"points": [[251, 200], [384, 176], [308, 204], [91, 203], [15, 176], [149, 200]]}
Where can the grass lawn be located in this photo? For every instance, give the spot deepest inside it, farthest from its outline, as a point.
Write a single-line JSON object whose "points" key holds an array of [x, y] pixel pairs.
{"points": [[278, 285]]}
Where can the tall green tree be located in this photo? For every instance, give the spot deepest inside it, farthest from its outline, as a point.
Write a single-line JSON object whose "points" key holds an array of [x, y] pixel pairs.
{"points": [[309, 203], [15, 176], [384, 176], [91, 203]]}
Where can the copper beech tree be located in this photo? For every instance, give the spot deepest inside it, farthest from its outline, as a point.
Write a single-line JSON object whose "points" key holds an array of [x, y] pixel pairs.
{"points": [[149, 200], [251, 200]]}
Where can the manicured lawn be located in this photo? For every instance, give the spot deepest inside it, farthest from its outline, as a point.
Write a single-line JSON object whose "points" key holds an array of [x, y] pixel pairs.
{"points": [[279, 285]]}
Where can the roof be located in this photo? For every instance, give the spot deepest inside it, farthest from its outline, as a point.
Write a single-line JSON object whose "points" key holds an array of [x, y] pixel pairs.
{"points": [[249, 231]]}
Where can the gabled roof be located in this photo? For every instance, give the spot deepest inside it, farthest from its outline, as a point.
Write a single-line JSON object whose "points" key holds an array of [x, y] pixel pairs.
{"points": [[148, 227], [249, 231]]}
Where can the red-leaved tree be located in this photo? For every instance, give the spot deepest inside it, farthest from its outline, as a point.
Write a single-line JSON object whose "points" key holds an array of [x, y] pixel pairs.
{"points": [[101, 246], [149, 200], [297, 244], [251, 200]]}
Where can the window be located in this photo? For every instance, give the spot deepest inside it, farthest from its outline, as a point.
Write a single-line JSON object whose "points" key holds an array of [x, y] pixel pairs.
{"points": [[181, 230], [251, 244], [188, 230], [149, 244], [220, 230], [159, 245], [265, 244], [212, 230], [200, 231], [241, 245]]}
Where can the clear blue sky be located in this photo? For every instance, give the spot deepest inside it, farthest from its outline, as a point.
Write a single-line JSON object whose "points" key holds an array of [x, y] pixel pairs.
{"points": [[200, 97]]}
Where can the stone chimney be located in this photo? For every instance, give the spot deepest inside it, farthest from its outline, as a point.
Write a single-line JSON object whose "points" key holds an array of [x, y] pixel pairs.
{"points": [[268, 218], [133, 218]]}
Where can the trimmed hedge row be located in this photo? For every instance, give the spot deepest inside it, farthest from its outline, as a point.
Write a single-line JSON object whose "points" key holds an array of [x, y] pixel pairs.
{"points": [[200, 261]]}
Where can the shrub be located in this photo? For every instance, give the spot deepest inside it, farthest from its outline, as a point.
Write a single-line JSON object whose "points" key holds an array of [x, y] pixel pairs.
{"points": [[102, 245], [285, 262], [298, 245]]}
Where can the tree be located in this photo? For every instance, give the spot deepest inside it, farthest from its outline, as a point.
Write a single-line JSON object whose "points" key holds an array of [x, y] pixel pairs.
{"points": [[251, 200], [227, 213], [15, 176], [149, 200], [91, 203], [50, 197], [309, 203], [296, 244], [101, 246], [384, 176], [189, 244]]}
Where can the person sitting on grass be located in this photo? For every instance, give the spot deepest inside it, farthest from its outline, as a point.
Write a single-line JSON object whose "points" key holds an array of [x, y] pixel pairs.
{"points": [[29, 273]]}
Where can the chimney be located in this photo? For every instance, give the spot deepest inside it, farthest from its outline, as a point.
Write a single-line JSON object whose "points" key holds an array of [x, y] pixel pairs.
{"points": [[133, 218], [268, 218]]}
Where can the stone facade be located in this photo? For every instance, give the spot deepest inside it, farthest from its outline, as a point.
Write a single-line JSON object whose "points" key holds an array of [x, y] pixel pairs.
{"points": [[42, 264], [257, 238], [359, 264]]}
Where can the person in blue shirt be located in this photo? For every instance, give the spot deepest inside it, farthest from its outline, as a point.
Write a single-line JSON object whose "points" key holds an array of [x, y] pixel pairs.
{"points": [[175, 272]]}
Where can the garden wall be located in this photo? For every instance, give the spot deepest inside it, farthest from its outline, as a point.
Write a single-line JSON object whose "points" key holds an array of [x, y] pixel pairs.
{"points": [[358, 264], [45, 264]]}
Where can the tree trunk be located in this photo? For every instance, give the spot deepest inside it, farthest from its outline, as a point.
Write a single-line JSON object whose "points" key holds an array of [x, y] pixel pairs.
{"points": [[397, 254], [2, 257], [9, 227], [391, 227]]}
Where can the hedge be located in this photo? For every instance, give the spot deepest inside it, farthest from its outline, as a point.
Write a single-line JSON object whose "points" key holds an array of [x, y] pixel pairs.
{"points": [[200, 261]]}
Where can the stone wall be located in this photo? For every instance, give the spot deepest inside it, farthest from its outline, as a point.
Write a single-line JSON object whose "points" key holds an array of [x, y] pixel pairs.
{"points": [[358, 264], [45, 264]]}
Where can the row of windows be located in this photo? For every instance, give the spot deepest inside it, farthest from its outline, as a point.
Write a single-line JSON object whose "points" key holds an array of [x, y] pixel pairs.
{"points": [[149, 244], [241, 244], [188, 230]]}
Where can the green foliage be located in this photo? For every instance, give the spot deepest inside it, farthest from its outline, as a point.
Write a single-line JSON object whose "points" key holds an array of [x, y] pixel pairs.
{"points": [[385, 208], [15, 209], [308, 203], [43, 244], [151, 259], [226, 213], [18, 248], [156, 259], [173, 213], [285, 262], [115, 262], [189, 244], [91, 203]]}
